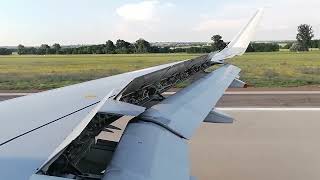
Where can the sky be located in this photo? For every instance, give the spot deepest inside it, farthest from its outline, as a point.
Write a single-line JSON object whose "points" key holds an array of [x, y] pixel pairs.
{"points": [[36, 22]]}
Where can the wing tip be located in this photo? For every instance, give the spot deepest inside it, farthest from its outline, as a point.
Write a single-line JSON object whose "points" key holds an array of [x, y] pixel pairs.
{"points": [[240, 43]]}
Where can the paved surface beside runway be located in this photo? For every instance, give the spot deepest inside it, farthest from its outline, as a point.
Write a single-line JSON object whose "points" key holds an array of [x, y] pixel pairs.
{"points": [[253, 99], [261, 144]]}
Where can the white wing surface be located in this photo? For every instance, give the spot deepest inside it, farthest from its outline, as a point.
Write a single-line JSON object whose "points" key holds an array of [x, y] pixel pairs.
{"points": [[239, 44]]}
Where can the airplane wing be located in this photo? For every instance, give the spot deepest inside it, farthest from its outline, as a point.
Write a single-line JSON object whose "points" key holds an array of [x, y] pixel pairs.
{"points": [[52, 134], [154, 144], [239, 44]]}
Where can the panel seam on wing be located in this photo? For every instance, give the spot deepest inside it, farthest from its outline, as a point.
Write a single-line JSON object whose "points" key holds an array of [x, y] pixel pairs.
{"points": [[39, 127]]}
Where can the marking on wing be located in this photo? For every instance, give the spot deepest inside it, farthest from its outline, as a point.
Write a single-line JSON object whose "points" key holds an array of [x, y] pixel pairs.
{"points": [[90, 96], [45, 124]]}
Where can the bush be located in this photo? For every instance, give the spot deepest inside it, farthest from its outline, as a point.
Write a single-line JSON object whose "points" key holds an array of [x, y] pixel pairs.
{"points": [[263, 47]]}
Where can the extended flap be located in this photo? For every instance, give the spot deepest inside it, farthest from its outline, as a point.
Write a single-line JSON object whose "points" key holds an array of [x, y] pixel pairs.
{"points": [[121, 108], [216, 116], [237, 83]]}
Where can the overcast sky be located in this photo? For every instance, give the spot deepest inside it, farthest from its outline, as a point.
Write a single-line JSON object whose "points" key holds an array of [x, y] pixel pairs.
{"points": [[34, 22]]}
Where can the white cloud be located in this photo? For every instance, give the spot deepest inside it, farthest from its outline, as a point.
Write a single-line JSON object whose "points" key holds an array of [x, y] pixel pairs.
{"points": [[142, 11], [145, 19]]}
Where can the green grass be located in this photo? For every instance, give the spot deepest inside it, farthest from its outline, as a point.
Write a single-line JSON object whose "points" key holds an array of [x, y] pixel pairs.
{"points": [[47, 72], [281, 69]]}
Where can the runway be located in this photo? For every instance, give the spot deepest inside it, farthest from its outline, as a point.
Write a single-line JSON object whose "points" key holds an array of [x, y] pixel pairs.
{"points": [[247, 98]]}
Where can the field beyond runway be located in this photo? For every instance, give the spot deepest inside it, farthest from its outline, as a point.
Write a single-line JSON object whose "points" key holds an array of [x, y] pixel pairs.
{"points": [[276, 69]]}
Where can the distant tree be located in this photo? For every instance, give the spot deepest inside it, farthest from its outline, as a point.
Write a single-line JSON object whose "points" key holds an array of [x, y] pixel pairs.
{"points": [[31, 50], [178, 50], [304, 37], [142, 46], [5, 51], [21, 49], [123, 47], [75, 51], [218, 44], [202, 49], [44, 49], [315, 43], [56, 48], [99, 49], [263, 47], [110, 47], [156, 49]]}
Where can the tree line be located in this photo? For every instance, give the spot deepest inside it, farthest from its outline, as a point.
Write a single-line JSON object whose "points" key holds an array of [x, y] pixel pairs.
{"points": [[140, 46], [263, 47], [120, 47], [303, 43], [5, 51]]}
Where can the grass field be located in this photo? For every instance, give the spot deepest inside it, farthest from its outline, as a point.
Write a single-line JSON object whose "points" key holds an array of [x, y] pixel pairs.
{"points": [[281, 69]]}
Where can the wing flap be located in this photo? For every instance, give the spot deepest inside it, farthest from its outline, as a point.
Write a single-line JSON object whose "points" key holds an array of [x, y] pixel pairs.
{"points": [[237, 83], [216, 116], [121, 108], [183, 112]]}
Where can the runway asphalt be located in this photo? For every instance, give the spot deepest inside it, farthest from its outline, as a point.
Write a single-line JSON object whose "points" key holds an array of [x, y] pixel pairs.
{"points": [[248, 99]]}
